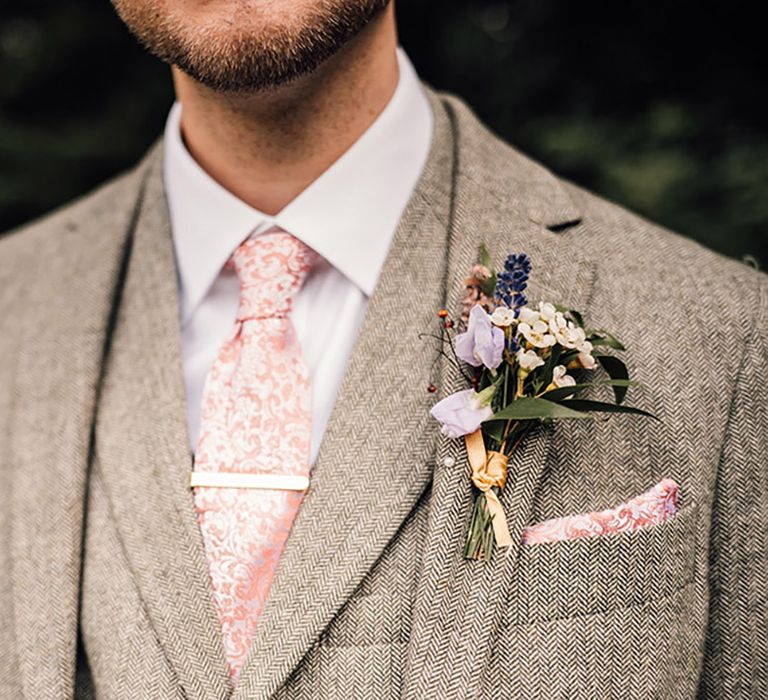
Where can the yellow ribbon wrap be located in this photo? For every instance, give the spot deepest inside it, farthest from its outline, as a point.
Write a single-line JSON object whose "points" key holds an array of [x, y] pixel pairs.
{"points": [[489, 469]]}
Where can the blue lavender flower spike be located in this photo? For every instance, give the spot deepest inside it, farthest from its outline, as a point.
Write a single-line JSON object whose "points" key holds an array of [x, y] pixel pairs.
{"points": [[513, 280]]}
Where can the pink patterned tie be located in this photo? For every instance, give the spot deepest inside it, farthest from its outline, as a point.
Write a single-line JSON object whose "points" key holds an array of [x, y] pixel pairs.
{"points": [[256, 418]]}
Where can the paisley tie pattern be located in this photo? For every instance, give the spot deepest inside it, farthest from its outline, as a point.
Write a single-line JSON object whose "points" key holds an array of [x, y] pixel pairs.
{"points": [[256, 417]]}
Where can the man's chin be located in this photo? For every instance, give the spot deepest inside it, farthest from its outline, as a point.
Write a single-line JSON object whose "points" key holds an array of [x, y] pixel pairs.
{"points": [[246, 45]]}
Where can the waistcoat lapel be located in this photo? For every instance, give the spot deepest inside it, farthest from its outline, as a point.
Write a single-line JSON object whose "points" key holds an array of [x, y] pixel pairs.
{"points": [[65, 312], [459, 602], [142, 454], [376, 457]]}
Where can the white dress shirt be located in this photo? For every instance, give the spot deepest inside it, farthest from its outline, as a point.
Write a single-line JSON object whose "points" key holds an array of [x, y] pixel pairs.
{"points": [[348, 215]]}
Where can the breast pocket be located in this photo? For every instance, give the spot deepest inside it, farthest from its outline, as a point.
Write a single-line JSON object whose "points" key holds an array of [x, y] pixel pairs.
{"points": [[610, 617], [568, 578]]}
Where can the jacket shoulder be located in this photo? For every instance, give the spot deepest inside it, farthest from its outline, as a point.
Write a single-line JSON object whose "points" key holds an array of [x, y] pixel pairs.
{"points": [[632, 251], [629, 252], [42, 235]]}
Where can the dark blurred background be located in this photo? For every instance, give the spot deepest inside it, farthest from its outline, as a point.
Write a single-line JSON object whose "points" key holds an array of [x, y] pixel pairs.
{"points": [[659, 106]]}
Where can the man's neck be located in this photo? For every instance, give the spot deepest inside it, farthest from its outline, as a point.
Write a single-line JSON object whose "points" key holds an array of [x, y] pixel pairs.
{"points": [[266, 147]]}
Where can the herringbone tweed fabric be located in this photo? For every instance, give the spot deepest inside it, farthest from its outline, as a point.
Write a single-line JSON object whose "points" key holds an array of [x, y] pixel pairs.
{"points": [[107, 593]]}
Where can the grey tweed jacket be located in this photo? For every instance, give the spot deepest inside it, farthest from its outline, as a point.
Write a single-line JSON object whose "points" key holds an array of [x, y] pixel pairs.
{"points": [[105, 588]]}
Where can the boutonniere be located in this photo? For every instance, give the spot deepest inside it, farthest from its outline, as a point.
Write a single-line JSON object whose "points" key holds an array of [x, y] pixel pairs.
{"points": [[523, 365]]}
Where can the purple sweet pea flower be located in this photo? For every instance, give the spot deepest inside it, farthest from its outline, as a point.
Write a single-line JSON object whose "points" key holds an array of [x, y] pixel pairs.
{"points": [[483, 343], [460, 414]]}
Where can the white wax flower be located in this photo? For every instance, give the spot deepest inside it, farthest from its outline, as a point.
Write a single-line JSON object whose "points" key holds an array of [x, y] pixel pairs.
{"points": [[547, 311], [503, 316], [529, 360], [566, 332], [586, 360], [537, 334], [528, 315], [561, 379]]}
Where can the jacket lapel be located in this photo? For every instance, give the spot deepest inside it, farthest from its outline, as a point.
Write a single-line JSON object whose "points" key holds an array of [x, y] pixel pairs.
{"points": [[376, 457], [66, 316], [142, 453], [459, 602]]}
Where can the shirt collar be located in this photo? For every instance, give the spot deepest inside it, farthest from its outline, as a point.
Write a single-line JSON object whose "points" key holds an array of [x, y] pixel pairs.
{"points": [[349, 214]]}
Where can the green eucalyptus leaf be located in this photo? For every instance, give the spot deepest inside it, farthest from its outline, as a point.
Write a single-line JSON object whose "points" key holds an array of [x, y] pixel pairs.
{"points": [[617, 371], [529, 408], [567, 355], [602, 407], [489, 286], [563, 392], [576, 315], [600, 337], [566, 391], [485, 256]]}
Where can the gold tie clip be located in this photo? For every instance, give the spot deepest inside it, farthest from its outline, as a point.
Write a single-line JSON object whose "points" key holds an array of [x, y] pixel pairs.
{"points": [[238, 480]]}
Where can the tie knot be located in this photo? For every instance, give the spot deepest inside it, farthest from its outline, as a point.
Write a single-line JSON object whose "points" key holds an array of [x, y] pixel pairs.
{"points": [[271, 267]]}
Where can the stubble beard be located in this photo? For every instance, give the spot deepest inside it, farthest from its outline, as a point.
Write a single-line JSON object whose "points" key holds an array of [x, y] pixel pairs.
{"points": [[231, 58]]}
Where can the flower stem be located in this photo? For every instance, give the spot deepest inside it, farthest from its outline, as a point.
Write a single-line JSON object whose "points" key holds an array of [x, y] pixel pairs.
{"points": [[480, 537]]}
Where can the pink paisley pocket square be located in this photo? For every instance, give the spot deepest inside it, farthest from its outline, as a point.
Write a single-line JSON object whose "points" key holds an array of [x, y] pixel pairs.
{"points": [[653, 507]]}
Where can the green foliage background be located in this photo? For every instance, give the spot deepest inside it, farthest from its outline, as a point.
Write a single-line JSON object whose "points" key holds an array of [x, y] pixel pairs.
{"points": [[659, 106]]}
